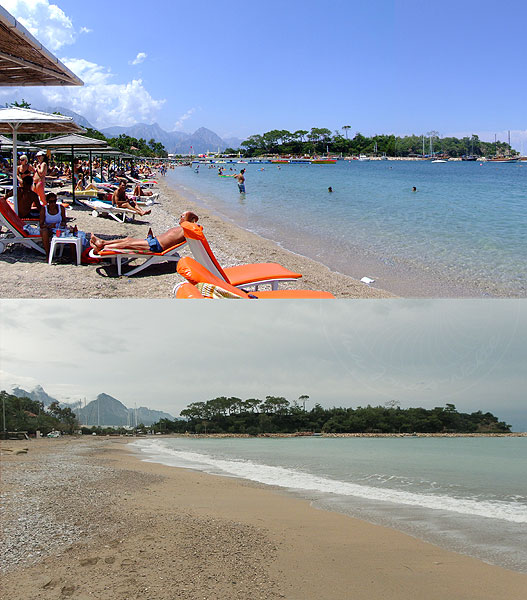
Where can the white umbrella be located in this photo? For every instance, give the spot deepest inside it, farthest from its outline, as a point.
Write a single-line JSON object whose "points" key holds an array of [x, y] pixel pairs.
{"points": [[25, 120], [70, 142]]}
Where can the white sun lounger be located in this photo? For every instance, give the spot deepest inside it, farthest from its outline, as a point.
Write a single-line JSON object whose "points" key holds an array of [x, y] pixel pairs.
{"points": [[104, 208]]}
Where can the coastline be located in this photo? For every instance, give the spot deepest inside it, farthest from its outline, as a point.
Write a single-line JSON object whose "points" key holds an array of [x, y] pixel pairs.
{"points": [[26, 274], [121, 528], [396, 273]]}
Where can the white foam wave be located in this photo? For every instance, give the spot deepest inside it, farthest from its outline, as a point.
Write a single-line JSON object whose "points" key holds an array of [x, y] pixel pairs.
{"points": [[298, 480]]}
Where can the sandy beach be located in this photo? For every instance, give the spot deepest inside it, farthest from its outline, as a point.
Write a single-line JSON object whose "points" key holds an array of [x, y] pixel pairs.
{"points": [[85, 518], [26, 274]]}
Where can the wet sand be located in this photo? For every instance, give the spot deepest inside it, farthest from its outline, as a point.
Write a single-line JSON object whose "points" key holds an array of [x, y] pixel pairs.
{"points": [[85, 518], [25, 274]]}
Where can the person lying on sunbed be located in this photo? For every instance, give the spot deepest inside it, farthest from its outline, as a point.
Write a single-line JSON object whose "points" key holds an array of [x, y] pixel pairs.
{"points": [[138, 191], [170, 238], [120, 200]]}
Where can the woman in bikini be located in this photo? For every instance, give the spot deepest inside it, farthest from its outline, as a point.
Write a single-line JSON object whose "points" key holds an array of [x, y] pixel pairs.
{"points": [[24, 169], [52, 217], [39, 178]]}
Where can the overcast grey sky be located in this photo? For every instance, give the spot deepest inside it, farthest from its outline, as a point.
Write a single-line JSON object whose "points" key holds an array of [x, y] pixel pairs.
{"points": [[166, 354]]}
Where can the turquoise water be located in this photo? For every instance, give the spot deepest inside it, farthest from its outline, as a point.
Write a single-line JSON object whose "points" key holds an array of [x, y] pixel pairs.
{"points": [[463, 233], [465, 494]]}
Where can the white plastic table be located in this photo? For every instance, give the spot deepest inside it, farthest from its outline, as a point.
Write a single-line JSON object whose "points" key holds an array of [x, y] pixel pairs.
{"points": [[60, 241]]}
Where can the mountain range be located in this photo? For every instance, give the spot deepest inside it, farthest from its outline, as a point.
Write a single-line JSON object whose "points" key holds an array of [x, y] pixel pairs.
{"points": [[175, 142], [105, 410]]}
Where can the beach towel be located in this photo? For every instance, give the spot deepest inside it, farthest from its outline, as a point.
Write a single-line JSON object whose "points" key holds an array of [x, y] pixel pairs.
{"points": [[214, 291]]}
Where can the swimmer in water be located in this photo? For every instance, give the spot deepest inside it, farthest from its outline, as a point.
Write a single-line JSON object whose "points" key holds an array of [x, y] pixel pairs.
{"points": [[414, 189], [330, 189]]}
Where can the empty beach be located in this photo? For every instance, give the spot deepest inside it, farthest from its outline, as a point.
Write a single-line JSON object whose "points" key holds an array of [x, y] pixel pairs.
{"points": [[85, 518]]}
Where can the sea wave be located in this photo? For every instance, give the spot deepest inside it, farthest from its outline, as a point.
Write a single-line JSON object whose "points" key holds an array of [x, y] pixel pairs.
{"points": [[514, 512]]}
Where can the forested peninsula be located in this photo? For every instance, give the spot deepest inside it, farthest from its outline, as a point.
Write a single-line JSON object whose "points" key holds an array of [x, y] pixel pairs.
{"points": [[278, 415], [321, 140]]}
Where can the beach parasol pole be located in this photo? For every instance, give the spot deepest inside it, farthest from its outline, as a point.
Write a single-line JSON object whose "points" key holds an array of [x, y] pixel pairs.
{"points": [[14, 126], [73, 173]]}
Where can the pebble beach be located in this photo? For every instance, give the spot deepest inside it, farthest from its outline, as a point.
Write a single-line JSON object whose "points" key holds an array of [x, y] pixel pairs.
{"points": [[24, 273], [85, 518]]}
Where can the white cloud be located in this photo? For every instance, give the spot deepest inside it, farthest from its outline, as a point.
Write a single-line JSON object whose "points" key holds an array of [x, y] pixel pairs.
{"points": [[138, 59], [47, 22], [85, 30], [101, 100], [183, 118]]}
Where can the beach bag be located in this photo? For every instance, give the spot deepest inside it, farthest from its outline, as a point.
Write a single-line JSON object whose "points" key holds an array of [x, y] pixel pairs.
{"points": [[86, 259]]}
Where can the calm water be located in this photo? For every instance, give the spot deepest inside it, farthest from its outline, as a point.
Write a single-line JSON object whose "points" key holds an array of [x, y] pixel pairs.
{"points": [[465, 494], [464, 232]]}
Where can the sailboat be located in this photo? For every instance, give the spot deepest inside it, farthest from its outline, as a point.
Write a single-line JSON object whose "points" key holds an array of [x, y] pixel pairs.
{"points": [[502, 159]]}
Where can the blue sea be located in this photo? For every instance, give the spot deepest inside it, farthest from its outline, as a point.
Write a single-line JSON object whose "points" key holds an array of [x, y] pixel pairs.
{"points": [[464, 494], [463, 233]]}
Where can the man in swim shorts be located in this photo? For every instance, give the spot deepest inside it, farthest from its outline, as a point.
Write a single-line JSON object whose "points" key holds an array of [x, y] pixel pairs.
{"points": [[241, 181], [120, 200], [170, 238]]}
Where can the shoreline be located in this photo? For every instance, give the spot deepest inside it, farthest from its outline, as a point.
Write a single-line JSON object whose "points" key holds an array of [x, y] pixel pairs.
{"points": [[26, 274], [124, 528], [394, 275], [338, 435]]}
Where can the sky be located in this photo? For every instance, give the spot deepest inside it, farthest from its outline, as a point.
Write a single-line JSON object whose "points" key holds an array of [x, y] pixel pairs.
{"points": [[242, 68], [471, 353]]}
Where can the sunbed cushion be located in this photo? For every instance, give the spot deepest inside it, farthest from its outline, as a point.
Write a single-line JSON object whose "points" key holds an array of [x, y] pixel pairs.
{"points": [[195, 273], [194, 231], [245, 274], [188, 291]]}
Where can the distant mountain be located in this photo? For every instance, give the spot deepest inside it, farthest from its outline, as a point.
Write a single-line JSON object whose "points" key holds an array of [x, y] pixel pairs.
{"points": [[37, 394], [177, 142], [148, 132], [79, 119], [104, 410]]}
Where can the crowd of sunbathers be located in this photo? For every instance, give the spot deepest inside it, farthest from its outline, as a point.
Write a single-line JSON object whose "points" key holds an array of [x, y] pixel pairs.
{"points": [[33, 204]]}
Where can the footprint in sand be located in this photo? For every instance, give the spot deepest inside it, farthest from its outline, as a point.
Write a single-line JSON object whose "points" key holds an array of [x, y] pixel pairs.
{"points": [[109, 560], [68, 590], [88, 562]]}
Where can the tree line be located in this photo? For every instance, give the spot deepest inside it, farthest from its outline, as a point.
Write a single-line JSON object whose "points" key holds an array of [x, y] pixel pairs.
{"points": [[319, 140], [276, 414], [24, 414]]}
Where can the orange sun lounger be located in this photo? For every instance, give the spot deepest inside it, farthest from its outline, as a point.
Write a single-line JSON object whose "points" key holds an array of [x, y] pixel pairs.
{"points": [[254, 274], [16, 234], [197, 274]]}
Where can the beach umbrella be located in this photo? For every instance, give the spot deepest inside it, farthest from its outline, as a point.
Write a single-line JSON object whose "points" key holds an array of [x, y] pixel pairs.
{"points": [[70, 142], [17, 120], [24, 60]]}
